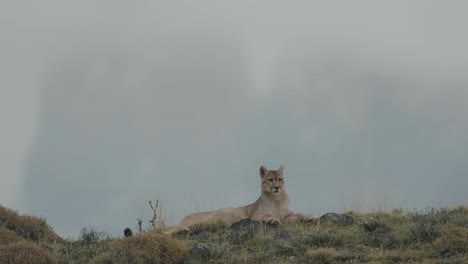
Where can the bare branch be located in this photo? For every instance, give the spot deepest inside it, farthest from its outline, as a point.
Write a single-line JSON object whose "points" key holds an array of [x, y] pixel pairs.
{"points": [[154, 219]]}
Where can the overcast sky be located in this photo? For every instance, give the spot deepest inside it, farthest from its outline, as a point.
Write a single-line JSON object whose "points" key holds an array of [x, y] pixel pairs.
{"points": [[105, 105]]}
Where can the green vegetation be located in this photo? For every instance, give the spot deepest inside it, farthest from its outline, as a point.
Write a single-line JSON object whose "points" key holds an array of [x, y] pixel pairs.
{"points": [[426, 236]]}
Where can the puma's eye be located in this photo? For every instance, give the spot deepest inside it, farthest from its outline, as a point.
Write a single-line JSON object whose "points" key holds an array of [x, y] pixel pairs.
{"points": [[280, 179], [271, 180]]}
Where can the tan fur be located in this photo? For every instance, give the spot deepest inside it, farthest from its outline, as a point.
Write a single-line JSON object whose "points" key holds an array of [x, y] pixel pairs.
{"points": [[272, 207]]}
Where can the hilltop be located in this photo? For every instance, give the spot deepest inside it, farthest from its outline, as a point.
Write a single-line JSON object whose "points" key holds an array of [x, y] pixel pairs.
{"points": [[397, 236]]}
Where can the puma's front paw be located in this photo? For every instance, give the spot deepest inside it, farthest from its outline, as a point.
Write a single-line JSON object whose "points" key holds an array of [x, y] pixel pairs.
{"points": [[273, 221]]}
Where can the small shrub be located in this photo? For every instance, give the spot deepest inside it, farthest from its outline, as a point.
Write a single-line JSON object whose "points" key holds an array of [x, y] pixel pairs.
{"points": [[423, 231], [453, 241], [147, 247], [424, 226], [90, 244], [25, 252], [377, 225], [8, 236], [321, 255], [89, 235]]}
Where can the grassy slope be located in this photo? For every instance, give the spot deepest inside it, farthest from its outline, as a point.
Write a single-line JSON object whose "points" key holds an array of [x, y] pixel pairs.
{"points": [[430, 236]]}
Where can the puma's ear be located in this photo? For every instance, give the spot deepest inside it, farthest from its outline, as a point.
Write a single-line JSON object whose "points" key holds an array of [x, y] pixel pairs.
{"points": [[263, 171], [281, 169]]}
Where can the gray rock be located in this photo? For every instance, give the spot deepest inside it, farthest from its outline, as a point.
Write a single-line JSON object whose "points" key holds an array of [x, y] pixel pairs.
{"points": [[205, 251], [245, 229], [280, 247], [246, 225], [339, 219], [203, 235], [283, 234]]}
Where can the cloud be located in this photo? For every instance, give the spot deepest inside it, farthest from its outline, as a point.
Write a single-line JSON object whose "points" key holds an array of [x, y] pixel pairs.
{"points": [[119, 127], [369, 132], [362, 102]]}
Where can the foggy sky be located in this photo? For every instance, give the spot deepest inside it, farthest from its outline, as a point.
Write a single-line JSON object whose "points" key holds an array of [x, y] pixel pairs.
{"points": [[106, 105]]}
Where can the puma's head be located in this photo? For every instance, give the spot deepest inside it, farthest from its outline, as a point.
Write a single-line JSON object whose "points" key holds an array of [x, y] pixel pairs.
{"points": [[272, 180]]}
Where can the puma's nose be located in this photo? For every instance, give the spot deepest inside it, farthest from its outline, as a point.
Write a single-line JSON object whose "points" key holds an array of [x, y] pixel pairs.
{"points": [[276, 188]]}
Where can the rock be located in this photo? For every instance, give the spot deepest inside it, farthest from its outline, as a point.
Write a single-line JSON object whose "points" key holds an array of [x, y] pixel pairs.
{"points": [[203, 235], [280, 247], [339, 219], [245, 229], [283, 234], [204, 251], [246, 225]]}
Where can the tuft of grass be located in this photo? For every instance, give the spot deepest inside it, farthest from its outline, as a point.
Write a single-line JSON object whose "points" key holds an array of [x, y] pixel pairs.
{"points": [[89, 235], [90, 244], [423, 231], [147, 247], [7, 236], [26, 252]]}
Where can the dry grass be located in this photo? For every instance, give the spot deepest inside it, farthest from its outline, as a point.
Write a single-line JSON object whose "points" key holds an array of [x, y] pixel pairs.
{"points": [[28, 227], [145, 248], [26, 252], [8, 236]]}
